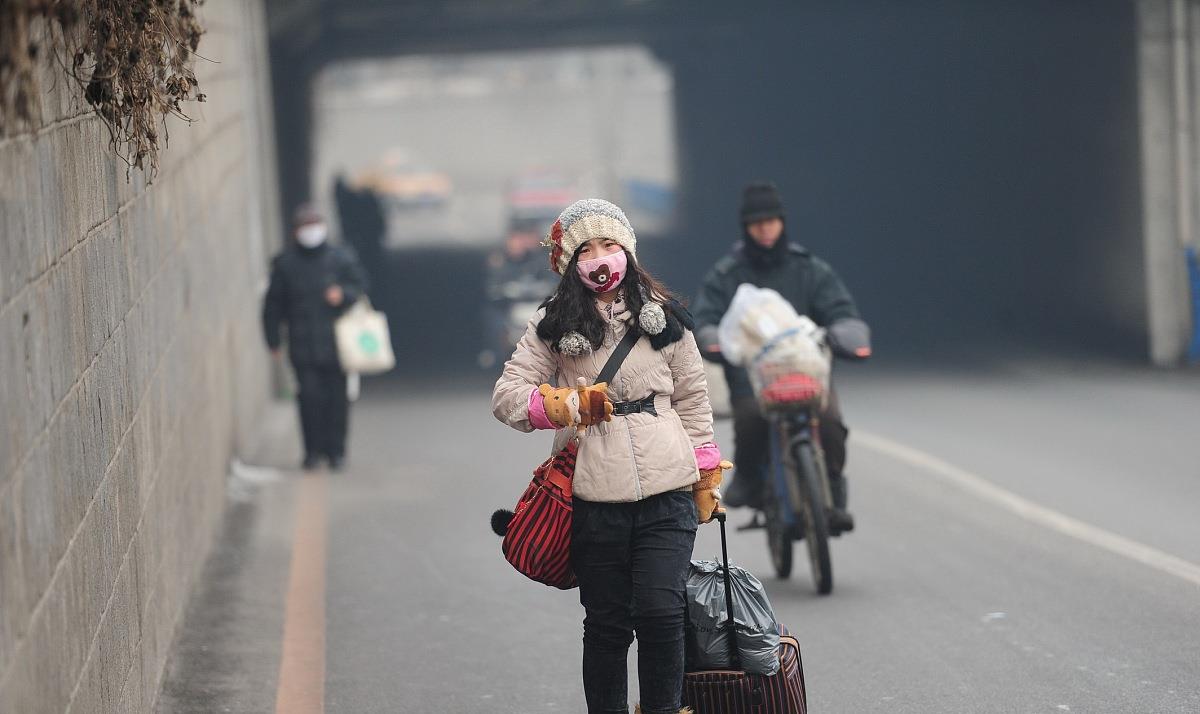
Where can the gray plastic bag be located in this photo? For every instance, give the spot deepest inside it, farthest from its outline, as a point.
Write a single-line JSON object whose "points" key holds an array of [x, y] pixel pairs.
{"points": [[754, 620]]}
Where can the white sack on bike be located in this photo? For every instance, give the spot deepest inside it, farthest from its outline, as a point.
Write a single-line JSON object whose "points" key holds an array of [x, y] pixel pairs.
{"points": [[762, 332], [708, 631]]}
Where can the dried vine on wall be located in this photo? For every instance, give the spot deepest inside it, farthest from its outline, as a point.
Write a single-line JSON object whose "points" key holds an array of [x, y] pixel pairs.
{"points": [[131, 59]]}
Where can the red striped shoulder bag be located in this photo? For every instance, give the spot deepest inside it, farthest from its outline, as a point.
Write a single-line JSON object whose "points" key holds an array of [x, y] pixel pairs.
{"points": [[537, 534]]}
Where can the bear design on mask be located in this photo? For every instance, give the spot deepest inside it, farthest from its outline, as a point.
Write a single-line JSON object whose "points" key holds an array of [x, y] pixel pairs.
{"points": [[602, 276]]}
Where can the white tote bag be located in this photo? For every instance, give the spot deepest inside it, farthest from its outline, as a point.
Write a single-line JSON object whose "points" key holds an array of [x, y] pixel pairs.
{"points": [[363, 342]]}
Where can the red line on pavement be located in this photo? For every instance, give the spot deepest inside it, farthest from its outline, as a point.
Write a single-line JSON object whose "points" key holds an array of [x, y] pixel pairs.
{"points": [[302, 666]]}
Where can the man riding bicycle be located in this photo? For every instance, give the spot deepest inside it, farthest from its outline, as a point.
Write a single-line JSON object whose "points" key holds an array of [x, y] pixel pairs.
{"points": [[766, 258]]}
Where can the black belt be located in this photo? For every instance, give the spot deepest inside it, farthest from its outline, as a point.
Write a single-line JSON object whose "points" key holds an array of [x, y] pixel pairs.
{"points": [[643, 405]]}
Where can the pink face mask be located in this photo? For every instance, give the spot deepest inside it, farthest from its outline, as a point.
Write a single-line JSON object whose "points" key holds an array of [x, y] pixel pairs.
{"points": [[604, 273]]}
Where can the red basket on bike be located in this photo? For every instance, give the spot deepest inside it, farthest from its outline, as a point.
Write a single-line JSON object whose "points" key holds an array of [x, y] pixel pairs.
{"points": [[792, 390], [791, 372]]}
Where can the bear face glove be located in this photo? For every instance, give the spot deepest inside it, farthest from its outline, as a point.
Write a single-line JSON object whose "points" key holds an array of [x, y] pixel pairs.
{"points": [[578, 407], [707, 492], [594, 404], [559, 407]]}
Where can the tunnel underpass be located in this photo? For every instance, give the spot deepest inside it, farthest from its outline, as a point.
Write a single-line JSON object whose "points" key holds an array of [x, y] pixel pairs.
{"points": [[971, 171], [1009, 188]]}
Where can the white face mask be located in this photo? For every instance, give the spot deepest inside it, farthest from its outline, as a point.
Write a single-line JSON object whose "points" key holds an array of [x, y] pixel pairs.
{"points": [[312, 235]]}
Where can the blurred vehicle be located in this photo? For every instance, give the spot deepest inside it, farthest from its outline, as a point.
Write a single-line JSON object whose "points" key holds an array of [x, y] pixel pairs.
{"points": [[520, 298], [518, 279], [536, 197], [518, 276], [405, 183]]}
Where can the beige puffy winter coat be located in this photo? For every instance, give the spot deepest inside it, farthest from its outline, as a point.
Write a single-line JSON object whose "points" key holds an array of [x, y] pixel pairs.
{"points": [[633, 456]]}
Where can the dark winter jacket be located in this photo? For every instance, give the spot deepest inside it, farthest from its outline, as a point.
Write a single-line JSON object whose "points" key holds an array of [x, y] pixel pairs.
{"points": [[806, 281], [296, 298]]}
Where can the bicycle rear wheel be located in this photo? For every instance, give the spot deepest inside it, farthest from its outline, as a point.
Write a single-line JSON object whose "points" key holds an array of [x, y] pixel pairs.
{"points": [[816, 525]]}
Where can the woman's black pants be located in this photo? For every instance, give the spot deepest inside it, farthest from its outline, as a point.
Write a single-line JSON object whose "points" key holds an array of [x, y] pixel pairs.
{"points": [[631, 560]]}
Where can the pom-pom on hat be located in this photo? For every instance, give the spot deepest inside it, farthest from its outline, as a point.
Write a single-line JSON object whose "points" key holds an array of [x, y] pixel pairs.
{"points": [[652, 320], [583, 221]]}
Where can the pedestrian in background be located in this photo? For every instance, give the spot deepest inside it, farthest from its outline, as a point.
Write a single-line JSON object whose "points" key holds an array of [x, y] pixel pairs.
{"points": [[634, 518], [312, 283], [362, 224]]}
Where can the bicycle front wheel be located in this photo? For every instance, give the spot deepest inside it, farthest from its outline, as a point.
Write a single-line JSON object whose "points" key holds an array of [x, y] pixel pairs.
{"points": [[779, 539], [816, 524]]}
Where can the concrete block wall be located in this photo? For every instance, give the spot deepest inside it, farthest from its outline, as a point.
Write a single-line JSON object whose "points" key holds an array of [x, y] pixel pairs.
{"points": [[131, 369]]}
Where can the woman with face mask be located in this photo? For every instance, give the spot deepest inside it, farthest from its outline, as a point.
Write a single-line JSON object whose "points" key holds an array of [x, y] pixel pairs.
{"points": [[636, 475], [312, 283]]}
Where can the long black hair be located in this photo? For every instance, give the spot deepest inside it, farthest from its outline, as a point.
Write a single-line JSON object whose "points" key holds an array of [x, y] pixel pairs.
{"points": [[572, 307]]}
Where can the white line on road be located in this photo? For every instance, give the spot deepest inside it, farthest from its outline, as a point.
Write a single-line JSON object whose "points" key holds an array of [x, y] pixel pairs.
{"points": [[1030, 511]]}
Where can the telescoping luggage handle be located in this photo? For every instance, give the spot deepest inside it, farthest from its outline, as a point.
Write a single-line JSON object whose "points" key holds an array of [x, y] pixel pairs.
{"points": [[735, 661]]}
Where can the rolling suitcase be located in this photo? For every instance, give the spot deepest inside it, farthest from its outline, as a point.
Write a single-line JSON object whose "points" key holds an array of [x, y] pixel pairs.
{"points": [[733, 691]]}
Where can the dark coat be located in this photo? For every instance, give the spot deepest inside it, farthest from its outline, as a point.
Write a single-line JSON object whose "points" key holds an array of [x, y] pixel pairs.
{"points": [[296, 298], [806, 281]]}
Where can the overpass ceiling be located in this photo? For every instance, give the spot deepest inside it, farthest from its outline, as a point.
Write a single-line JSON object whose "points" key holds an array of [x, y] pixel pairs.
{"points": [[325, 30]]}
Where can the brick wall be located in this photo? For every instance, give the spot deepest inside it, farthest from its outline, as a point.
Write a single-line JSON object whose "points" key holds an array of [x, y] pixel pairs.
{"points": [[131, 369]]}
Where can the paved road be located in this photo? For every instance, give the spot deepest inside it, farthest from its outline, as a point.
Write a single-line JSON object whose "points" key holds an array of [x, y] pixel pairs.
{"points": [[946, 600]]}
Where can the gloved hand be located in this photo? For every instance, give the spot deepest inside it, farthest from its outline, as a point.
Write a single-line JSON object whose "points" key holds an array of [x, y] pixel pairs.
{"points": [[580, 406], [707, 491], [709, 342], [594, 404], [561, 405]]}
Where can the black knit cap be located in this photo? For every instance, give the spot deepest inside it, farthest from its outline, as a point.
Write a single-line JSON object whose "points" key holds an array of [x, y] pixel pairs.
{"points": [[760, 201]]}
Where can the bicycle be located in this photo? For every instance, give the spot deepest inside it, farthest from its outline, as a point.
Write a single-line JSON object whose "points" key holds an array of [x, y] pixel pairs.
{"points": [[788, 360], [798, 500]]}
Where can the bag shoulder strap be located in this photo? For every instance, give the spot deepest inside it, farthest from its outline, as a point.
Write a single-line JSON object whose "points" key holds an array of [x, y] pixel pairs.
{"points": [[609, 370]]}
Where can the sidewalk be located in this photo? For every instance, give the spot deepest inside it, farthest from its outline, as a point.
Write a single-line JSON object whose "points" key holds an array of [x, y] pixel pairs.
{"points": [[225, 657], [397, 591]]}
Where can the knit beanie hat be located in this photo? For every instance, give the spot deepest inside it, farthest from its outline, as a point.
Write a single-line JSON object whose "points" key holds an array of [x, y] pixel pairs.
{"points": [[583, 221], [579, 223], [760, 201]]}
